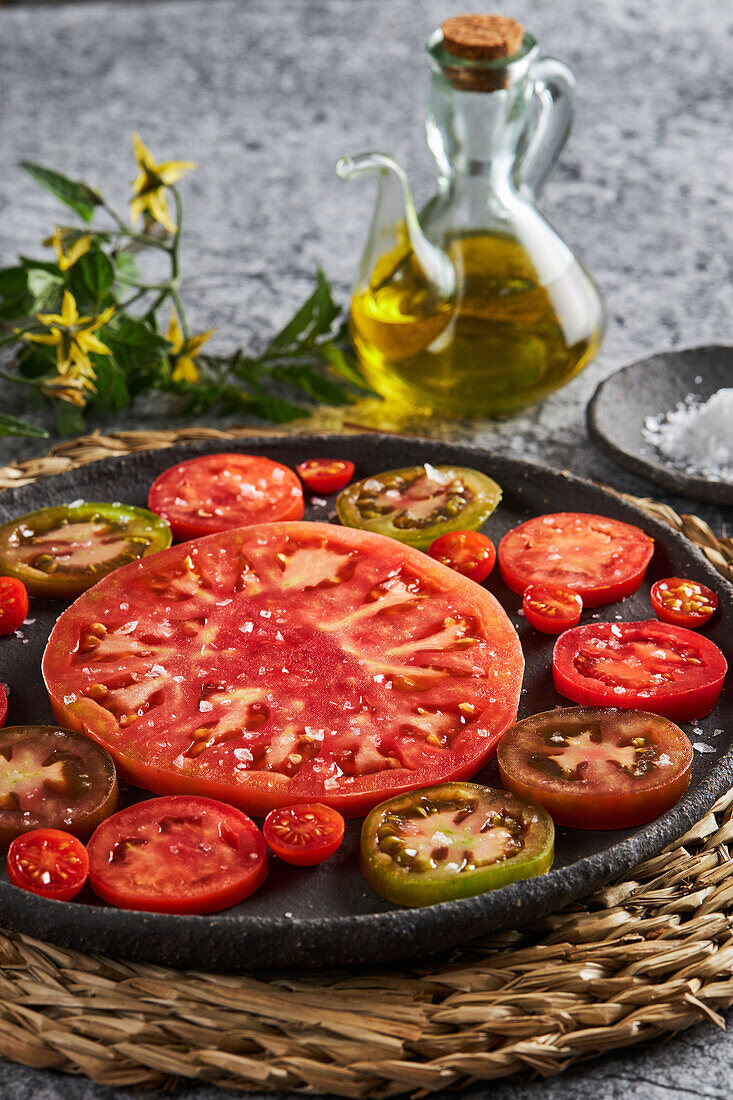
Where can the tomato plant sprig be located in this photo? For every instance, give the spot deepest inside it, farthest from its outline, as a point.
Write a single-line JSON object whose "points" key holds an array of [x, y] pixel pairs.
{"points": [[88, 331]]}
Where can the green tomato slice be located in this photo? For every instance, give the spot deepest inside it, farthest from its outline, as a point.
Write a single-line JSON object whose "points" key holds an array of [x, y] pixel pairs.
{"points": [[418, 503], [453, 841], [60, 552]]}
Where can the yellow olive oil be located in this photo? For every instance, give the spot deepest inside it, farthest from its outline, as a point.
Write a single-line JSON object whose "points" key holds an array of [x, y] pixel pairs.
{"points": [[504, 340]]}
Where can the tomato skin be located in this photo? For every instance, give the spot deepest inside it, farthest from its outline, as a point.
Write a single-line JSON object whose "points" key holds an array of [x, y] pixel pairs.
{"points": [[48, 852], [215, 485], [551, 608], [152, 754], [304, 834], [458, 816], [693, 695], [75, 537], [3, 706], [602, 559], [603, 795], [699, 603], [325, 475], [177, 855], [468, 552], [13, 604]]}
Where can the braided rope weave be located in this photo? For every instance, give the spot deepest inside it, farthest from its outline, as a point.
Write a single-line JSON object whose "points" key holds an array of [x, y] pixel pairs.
{"points": [[641, 958]]}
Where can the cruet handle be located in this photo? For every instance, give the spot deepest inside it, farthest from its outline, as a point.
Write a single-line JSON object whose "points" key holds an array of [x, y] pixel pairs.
{"points": [[554, 91]]}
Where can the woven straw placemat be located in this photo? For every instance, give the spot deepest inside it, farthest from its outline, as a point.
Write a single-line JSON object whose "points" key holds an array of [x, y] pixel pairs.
{"points": [[642, 958]]}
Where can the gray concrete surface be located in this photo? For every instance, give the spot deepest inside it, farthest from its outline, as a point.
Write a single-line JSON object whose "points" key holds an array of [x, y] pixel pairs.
{"points": [[266, 95]]}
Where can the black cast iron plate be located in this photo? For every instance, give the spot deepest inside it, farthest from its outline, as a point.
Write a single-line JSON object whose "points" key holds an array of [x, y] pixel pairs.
{"points": [[327, 915]]}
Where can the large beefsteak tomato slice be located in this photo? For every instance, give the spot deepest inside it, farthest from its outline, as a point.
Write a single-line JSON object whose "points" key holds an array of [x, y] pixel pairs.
{"points": [[288, 662]]}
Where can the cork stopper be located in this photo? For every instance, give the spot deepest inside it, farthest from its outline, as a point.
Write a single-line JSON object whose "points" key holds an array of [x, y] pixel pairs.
{"points": [[482, 37], [479, 43]]}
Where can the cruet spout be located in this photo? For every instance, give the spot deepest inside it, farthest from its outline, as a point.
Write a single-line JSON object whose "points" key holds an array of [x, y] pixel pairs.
{"points": [[402, 275]]}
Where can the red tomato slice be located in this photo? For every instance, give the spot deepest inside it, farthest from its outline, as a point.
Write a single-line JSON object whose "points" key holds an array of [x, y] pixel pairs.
{"points": [[551, 608], [48, 862], [287, 663], [468, 552], [641, 665], [684, 603], [325, 475], [177, 855], [601, 559], [217, 492], [304, 835], [597, 768], [3, 705], [13, 604]]}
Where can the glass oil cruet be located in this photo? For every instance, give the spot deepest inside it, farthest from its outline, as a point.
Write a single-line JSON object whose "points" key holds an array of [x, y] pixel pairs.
{"points": [[475, 307]]}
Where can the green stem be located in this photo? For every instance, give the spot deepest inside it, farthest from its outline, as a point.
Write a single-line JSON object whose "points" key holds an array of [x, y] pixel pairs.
{"points": [[175, 269], [33, 382], [12, 336]]}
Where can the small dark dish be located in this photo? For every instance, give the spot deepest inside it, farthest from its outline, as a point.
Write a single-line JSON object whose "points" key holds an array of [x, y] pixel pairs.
{"points": [[651, 387]]}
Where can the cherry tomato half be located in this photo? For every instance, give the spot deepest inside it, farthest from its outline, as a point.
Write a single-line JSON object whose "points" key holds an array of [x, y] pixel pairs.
{"points": [[683, 603], [48, 862], [551, 608], [468, 552], [597, 767], [13, 604], [644, 665], [180, 854], [304, 835], [325, 475]]}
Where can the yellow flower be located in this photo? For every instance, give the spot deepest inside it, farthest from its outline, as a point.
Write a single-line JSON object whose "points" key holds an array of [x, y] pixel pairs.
{"points": [[70, 245], [183, 352], [149, 187], [74, 339]]}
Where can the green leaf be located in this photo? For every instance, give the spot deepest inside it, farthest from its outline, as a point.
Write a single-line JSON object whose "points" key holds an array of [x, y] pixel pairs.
{"points": [[312, 383], [272, 408], [10, 425], [314, 318], [12, 282], [45, 289], [133, 332], [35, 361], [72, 192], [42, 265], [91, 277], [69, 418], [112, 392], [127, 269], [343, 364]]}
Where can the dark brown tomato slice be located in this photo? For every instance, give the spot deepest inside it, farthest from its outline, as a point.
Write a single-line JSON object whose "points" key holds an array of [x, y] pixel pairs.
{"points": [[601, 559], [177, 855], [644, 665], [288, 663], [53, 778], [597, 768], [417, 504], [60, 552], [217, 492]]}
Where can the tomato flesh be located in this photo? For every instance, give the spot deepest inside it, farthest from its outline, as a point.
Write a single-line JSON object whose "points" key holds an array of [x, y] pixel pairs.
{"points": [[597, 768], [683, 603], [551, 608], [304, 835], [601, 559], [60, 552], [48, 862], [452, 841], [468, 552], [53, 778], [644, 665], [418, 503], [13, 604], [218, 492], [3, 705], [177, 855], [287, 663], [325, 475]]}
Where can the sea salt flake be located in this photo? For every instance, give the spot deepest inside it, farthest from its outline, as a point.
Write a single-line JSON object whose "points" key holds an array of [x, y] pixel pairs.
{"points": [[700, 746], [696, 436]]}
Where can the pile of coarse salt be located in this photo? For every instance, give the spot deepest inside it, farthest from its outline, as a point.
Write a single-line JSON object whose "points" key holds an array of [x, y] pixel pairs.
{"points": [[696, 436]]}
